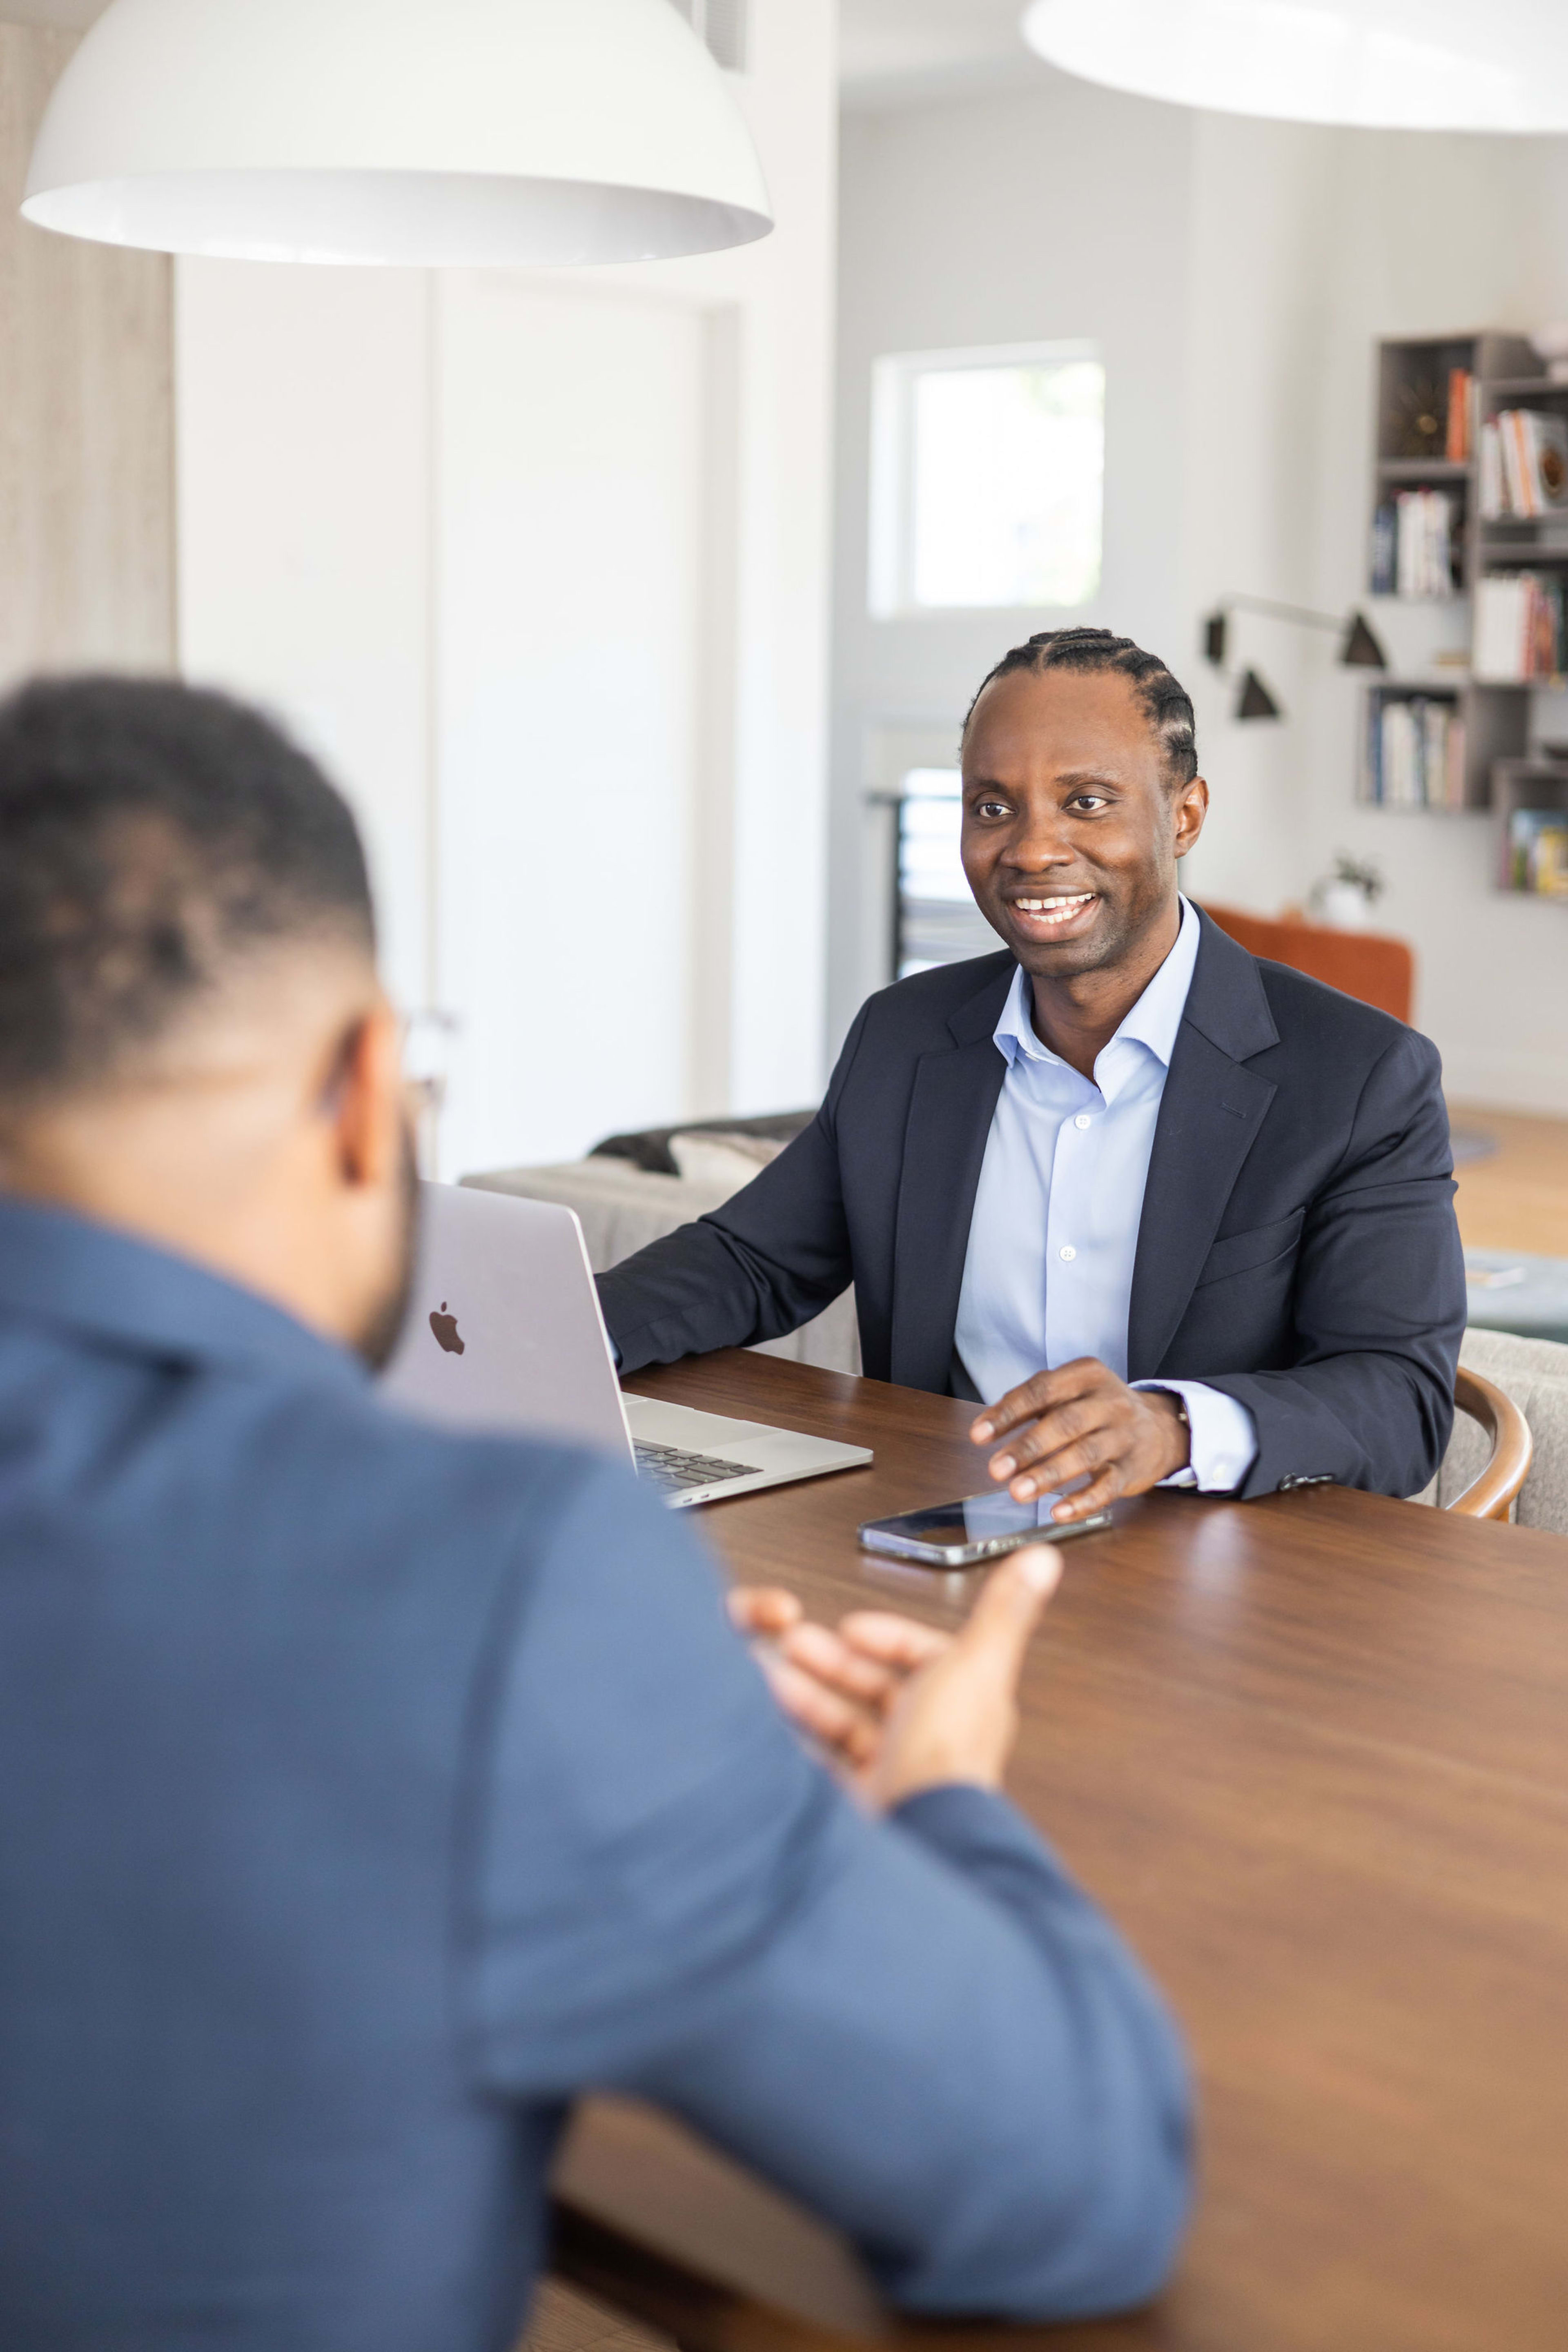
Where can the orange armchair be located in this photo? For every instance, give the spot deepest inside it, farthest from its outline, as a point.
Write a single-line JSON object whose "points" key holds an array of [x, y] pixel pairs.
{"points": [[1371, 965]]}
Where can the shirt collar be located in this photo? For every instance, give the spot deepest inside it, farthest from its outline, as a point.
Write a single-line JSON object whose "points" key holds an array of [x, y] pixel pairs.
{"points": [[1152, 1022], [56, 1267]]}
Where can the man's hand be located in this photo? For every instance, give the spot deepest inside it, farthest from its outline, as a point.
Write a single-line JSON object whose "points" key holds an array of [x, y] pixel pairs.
{"points": [[898, 1705], [1081, 1422], [957, 1718], [838, 1688]]}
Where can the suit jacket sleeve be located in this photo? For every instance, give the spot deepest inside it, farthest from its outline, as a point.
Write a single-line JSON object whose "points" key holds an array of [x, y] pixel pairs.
{"points": [[765, 1263], [921, 2028], [1379, 1302]]}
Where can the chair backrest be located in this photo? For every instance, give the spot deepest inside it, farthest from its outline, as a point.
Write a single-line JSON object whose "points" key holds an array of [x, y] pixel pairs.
{"points": [[1371, 965], [1495, 1488]]}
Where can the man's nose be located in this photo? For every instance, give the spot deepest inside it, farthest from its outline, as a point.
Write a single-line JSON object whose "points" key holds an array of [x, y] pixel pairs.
{"points": [[1040, 842]]}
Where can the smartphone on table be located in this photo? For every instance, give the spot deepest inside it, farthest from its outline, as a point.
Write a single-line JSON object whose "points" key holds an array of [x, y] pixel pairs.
{"points": [[975, 1528]]}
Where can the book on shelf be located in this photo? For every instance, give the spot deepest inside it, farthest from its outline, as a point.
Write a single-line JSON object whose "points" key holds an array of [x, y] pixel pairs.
{"points": [[1385, 550], [1518, 627], [1489, 461], [1538, 852], [1413, 538], [1415, 752], [1524, 465], [1457, 445]]}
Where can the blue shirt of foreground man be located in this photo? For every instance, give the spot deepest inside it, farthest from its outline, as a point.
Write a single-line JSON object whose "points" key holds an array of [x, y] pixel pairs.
{"points": [[368, 1792], [1171, 1215]]}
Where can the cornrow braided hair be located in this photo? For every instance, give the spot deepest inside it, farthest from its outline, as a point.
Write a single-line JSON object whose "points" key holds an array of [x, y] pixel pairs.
{"points": [[1166, 704]]}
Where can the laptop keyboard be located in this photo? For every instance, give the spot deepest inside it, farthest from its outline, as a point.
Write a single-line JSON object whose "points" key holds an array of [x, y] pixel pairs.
{"points": [[672, 1470]]}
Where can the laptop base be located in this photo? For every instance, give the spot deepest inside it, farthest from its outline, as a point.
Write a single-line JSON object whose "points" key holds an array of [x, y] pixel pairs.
{"points": [[756, 1454]]}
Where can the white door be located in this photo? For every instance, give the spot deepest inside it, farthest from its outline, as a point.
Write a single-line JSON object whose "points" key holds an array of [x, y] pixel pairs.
{"points": [[573, 492]]}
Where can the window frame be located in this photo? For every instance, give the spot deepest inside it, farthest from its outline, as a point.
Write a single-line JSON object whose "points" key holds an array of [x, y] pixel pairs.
{"points": [[891, 549]]}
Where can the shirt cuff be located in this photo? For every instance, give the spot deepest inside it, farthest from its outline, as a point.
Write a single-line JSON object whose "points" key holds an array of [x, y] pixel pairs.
{"points": [[1223, 1435]]}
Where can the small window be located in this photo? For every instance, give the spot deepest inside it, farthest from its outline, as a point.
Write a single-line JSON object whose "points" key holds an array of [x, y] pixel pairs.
{"points": [[987, 478], [937, 920]]}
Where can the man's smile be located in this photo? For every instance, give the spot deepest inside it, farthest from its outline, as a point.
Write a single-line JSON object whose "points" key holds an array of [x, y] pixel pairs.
{"points": [[1048, 914]]}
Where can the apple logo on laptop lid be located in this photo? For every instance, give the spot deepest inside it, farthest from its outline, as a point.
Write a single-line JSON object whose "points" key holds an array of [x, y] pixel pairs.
{"points": [[445, 1327]]}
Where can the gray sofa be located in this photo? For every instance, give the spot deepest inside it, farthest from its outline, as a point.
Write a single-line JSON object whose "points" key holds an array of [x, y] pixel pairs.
{"points": [[624, 1207], [1534, 1374]]}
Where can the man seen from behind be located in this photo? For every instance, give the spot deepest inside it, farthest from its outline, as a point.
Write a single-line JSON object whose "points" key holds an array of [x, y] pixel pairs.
{"points": [[369, 1792]]}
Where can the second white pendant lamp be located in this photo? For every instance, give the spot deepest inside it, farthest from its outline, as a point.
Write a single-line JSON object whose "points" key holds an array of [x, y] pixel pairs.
{"points": [[1411, 65], [417, 131]]}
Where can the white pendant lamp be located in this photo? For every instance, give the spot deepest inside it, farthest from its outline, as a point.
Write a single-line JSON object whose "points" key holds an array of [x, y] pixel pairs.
{"points": [[1411, 65], [420, 132]]}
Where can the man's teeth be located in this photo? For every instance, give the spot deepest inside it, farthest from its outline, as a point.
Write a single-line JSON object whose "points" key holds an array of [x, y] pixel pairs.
{"points": [[1054, 910]]}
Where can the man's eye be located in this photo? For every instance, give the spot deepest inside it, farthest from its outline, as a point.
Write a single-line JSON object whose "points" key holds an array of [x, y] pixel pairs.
{"points": [[992, 808], [1086, 801]]}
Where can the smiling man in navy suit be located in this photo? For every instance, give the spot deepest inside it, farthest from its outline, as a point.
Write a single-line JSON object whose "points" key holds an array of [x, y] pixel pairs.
{"points": [[1171, 1215]]}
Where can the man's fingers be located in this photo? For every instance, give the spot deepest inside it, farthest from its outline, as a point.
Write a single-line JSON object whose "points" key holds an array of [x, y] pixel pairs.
{"points": [[838, 1663], [1008, 1610], [1018, 1407], [895, 1640], [763, 1609], [1091, 1457], [836, 1722], [1053, 1432], [957, 1720], [1096, 1496], [1032, 1398]]}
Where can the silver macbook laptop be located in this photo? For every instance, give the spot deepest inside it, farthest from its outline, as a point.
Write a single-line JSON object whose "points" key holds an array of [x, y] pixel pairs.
{"points": [[504, 1332]]}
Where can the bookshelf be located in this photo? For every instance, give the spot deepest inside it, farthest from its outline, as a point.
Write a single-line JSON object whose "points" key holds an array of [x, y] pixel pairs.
{"points": [[1495, 726], [1421, 446], [1517, 787]]}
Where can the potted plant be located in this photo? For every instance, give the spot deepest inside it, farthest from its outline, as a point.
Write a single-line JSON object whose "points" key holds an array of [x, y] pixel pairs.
{"points": [[1348, 893]]}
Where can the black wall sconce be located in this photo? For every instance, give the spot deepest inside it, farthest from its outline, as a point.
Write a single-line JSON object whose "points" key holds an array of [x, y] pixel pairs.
{"points": [[1359, 648], [1255, 701]]}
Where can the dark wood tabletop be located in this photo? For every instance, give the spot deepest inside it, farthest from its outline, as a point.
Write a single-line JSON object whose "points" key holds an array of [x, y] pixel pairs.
{"points": [[1311, 1752]]}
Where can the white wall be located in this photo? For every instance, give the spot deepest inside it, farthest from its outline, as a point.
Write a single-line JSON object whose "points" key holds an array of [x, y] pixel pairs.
{"points": [[573, 511], [336, 433], [302, 444], [1265, 259], [763, 945]]}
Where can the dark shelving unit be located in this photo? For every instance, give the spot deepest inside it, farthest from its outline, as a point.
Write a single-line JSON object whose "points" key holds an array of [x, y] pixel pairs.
{"points": [[1496, 720], [1413, 377]]}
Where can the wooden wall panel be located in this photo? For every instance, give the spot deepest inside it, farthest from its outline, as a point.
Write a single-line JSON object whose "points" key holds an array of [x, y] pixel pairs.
{"points": [[87, 458]]}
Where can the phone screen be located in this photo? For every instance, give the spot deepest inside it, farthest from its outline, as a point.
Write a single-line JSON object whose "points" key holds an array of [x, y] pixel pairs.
{"points": [[976, 1518]]}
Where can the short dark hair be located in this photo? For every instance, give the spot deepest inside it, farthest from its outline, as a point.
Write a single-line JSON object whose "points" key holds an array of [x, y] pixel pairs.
{"points": [[1168, 705], [150, 835]]}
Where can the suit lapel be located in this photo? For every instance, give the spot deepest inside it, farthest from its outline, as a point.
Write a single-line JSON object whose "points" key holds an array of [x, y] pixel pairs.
{"points": [[1211, 1110], [951, 1109]]}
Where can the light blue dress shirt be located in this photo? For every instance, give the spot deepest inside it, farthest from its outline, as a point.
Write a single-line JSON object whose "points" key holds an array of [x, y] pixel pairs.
{"points": [[1049, 1274]]}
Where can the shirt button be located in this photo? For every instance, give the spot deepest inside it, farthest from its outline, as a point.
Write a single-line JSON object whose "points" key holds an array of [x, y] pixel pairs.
{"points": [[1068, 1254], [1082, 1119]]}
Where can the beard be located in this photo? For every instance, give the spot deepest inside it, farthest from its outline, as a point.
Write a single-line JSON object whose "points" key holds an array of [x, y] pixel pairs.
{"points": [[377, 1343]]}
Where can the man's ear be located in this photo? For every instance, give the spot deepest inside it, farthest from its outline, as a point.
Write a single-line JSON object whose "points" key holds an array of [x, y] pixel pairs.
{"points": [[1192, 807], [364, 1100]]}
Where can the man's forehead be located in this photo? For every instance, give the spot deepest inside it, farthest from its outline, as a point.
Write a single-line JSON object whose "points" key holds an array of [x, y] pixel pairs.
{"points": [[1060, 721]]}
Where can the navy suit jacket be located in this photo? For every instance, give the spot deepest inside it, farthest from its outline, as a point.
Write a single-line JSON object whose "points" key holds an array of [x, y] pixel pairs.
{"points": [[1298, 1247], [367, 1792]]}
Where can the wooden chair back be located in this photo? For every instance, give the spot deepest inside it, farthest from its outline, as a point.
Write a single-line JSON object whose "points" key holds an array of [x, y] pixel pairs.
{"points": [[1493, 1492], [1372, 965]]}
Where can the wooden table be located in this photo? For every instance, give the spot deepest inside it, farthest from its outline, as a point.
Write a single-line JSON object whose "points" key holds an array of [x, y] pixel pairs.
{"points": [[1312, 1754]]}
